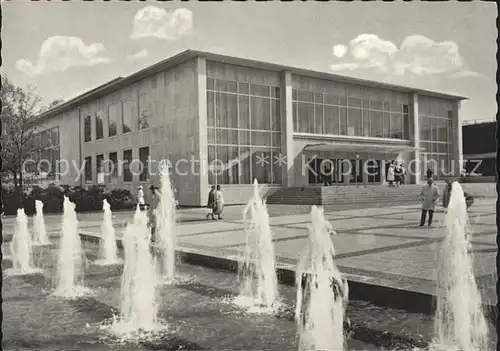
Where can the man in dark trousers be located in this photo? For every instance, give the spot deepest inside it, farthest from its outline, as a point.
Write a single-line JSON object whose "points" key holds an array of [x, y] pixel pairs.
{"points": [[429, 197], [211, 202]]}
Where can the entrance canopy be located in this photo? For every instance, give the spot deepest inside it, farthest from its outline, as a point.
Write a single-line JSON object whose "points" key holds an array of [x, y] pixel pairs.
{"points": [[365, 150], [362, 148]]}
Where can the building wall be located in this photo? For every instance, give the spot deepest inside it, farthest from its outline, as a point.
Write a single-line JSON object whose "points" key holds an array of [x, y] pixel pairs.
{"points": [[172, 132], [68, 158]]}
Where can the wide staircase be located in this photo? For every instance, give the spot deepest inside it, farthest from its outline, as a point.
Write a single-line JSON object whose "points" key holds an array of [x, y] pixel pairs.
{"points": [[347, 195]]}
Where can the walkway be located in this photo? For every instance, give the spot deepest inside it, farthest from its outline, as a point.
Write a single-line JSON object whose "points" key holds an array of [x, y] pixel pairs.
{"points": [[379, 246]]}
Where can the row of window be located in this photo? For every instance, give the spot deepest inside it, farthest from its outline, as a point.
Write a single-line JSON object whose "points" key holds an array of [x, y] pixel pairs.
{"points": [[242, 88], [243, 111], [134, 116], [241, 165], [338, 120], [46, 138], [243, 137], [111, 170], [436, 129], [335, 100]]}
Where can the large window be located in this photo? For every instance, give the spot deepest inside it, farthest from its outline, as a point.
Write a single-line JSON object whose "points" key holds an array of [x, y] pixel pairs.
{"points": [[87, 128], [127, 116], [112, 120], [127, 160], [324, 113], [144, 158], [100, 169], [144, 112], [88, 169], [436, 121], [113, 166], [99, 125], [244, 138], [46, 145]]}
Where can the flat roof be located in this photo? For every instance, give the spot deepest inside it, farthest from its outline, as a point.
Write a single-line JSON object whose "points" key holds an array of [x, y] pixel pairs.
{"points": [[186, 55]]}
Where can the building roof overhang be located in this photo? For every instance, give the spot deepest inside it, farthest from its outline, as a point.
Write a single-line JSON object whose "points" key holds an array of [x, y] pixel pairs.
{"points": [[186, 55]]}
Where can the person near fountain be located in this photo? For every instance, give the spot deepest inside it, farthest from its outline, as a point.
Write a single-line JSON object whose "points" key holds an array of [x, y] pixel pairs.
{"points": [[219, 203], [155, 199], [211, 202], [140, 197], [429, 197]]}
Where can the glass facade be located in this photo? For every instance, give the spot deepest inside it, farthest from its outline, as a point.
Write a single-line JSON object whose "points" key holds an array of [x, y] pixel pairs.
{"points": [[324, 113], [244, 132], [436, 140]]}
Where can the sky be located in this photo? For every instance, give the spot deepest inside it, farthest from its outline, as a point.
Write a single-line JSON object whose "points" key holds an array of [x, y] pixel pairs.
{"points": [[66, 48]]}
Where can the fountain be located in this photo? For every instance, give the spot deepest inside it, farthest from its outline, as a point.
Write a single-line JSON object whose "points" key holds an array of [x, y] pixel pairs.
{"points": [[460, 323], [39, 232], [258, 271], [21, 248], [139, 281], [321, 291], [107, 247], [71, 260], [165, 231]]}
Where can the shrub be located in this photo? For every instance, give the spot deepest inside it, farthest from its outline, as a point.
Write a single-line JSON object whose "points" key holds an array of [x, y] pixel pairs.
{"points": [[120, 199], [12, 199], [53, 197]]}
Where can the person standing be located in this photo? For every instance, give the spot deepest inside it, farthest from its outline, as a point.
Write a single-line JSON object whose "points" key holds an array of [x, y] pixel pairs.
{"points": [[140, 197], [447, 194], [429, 197], [155, 200], [211, 202], [429, 173], [397, 175], [390, 174], [219, 203]]}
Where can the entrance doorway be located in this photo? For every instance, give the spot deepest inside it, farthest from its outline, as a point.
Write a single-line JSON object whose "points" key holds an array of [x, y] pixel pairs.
{"points": [[335, 171]]}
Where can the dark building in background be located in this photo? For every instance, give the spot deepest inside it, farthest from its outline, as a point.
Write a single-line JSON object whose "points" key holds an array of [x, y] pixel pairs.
{"points": [[479, 148]]}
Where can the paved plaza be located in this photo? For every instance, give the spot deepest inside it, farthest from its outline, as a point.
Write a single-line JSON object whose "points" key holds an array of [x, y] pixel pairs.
{"points": [[380, 246]]}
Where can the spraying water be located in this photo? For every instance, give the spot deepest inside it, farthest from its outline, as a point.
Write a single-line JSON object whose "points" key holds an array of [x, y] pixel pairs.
{"points": [[139, 281], [39, 231], [459, 323], [21, 247], [321, 291], [258, 272], [165, 231], [107, 249], [71, 260]]}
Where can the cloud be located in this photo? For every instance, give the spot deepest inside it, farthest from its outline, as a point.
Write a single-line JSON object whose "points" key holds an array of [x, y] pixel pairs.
{"points": [[58, 53], [138, 55], [469, 74], [417, 55], [339, 50], [155, 22]]}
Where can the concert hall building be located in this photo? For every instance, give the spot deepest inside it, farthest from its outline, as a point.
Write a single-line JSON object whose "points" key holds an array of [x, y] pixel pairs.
{"points": [[227, 120]]}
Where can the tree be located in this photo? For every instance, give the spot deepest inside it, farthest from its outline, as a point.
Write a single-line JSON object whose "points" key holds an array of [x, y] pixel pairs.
{"points": [[19, 125], [53, 104]]}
